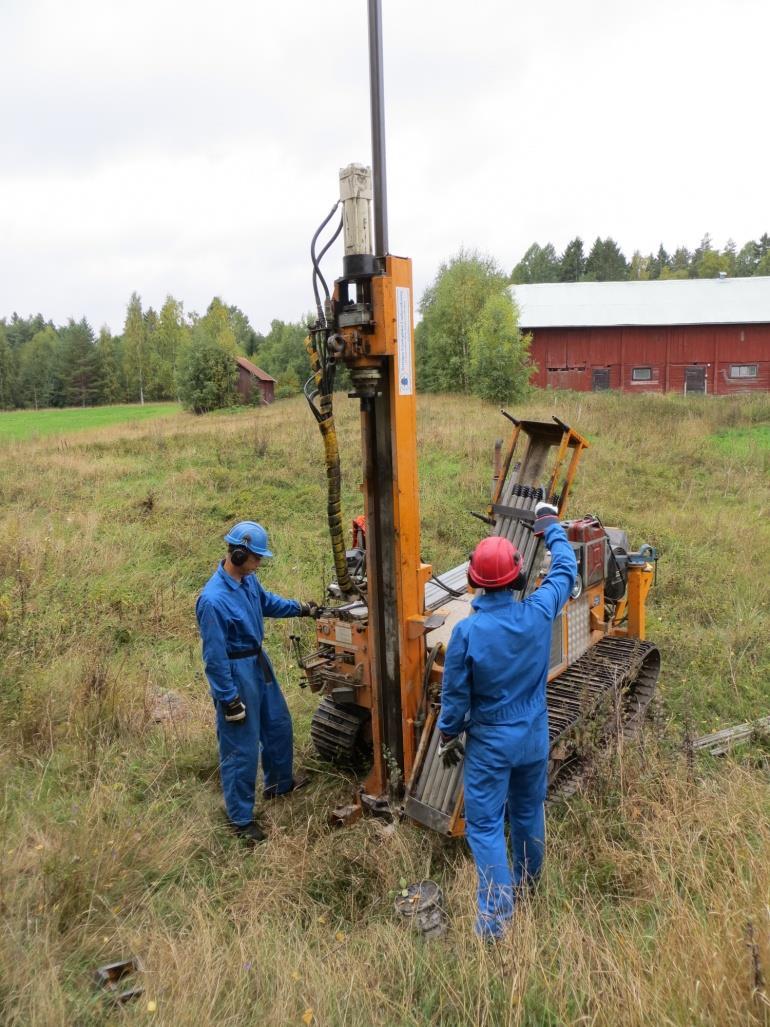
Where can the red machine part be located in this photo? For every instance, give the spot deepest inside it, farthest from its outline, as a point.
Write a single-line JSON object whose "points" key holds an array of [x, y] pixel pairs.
{"points": [[359, 532], [590, 533]]}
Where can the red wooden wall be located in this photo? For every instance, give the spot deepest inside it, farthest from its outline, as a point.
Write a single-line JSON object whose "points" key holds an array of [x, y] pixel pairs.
{"points": [[567, 357]]}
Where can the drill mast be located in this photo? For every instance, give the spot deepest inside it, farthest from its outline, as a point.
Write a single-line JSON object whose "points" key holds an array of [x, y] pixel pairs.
{"points": [[368, 323]]}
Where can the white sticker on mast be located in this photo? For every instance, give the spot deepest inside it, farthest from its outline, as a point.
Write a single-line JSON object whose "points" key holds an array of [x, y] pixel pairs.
{"points": [[404, 331]]}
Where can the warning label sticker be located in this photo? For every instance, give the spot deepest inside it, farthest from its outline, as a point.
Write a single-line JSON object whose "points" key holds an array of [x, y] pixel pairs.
{"points": [[404, 330], [343, 633]]}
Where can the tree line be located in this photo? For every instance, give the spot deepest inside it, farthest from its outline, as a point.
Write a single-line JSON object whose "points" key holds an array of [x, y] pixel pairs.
{"points": [[159, 355], [468, 339], [605, 262]]}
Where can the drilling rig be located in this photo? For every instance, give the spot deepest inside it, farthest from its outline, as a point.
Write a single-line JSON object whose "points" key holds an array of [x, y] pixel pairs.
{"points": [[378, 659]]}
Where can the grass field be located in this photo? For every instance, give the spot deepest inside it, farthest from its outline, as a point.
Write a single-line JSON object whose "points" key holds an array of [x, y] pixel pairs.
{"points": [[18, 425], [654, 907]]}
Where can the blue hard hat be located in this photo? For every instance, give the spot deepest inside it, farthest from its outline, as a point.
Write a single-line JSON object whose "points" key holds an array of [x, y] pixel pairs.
{"points": [[251, 535]]}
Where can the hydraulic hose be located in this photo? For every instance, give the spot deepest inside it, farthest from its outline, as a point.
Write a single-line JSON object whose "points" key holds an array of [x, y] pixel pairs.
{"points": [[324, 414]]}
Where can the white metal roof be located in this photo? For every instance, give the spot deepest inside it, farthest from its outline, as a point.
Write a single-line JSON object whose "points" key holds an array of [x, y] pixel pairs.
{"points": [[597, 304]]}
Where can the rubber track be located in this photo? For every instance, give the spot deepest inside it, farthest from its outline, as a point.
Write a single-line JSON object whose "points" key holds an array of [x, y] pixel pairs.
{"points": [[336, 730], [616, 666]]}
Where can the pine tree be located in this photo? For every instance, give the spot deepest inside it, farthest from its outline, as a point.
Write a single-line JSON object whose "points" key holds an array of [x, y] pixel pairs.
{"points": [[21, 330], [7, 372], [605, 262], [82, 385], [109, 367], [658, 262], [573, 262], [135, 349], [246, 338], [678, 266], [730, 256], [747, 260], [539, 264]]}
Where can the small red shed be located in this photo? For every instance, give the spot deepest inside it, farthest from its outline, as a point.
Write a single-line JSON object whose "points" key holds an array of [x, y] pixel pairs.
{"points": [[708, 336], [251, 377]]}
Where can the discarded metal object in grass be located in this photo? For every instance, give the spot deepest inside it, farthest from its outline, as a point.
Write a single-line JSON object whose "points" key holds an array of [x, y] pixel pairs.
{"points": [[422, 903], [343, 816], [112, 977], [721, 742]]}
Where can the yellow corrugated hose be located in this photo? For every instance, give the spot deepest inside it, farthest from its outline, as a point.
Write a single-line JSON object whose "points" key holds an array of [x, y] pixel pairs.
{"points": [[333, 474]]}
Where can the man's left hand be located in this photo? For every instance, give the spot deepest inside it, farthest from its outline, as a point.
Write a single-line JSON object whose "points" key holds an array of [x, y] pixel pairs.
{"points": [[450, 750], [546, 514]]}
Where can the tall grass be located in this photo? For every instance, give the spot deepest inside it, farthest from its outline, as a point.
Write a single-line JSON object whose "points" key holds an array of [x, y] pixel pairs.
{"points": [[654, 905]]}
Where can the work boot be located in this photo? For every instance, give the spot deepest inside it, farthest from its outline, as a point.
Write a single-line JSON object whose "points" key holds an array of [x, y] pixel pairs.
{"points": [[251, 833], [297, 783]]}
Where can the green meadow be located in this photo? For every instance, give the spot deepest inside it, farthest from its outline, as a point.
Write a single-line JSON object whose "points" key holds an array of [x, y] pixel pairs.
{"points": [[653, 908], [18, 425]]}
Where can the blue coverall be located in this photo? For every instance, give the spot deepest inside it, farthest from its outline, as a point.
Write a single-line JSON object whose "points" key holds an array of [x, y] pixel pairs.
{"points": [[494, 689], [231, 619]]}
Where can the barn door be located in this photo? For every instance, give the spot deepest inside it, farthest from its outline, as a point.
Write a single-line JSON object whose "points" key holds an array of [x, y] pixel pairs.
{"points": [[600, 379], [695, 380]]}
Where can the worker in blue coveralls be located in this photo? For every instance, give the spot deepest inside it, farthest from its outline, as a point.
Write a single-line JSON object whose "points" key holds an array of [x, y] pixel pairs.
{"points": [[251, 711], [494, 691]]}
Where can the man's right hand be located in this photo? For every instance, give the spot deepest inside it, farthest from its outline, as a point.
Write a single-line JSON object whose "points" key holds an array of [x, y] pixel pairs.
{"points": [[234, 710], [450, 750]]}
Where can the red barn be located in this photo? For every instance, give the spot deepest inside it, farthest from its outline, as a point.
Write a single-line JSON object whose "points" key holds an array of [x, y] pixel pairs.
{"points": [[708, 335], [251, 377]]}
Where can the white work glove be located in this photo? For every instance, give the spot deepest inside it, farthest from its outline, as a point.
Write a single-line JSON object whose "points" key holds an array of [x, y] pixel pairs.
{"points": [[234, 710], [545, 515]]}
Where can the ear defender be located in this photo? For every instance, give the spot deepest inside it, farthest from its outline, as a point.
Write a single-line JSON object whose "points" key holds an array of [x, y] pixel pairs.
{"points": [[239, 555]]}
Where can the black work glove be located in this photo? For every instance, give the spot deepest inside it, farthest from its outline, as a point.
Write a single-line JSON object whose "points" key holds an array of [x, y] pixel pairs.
{"points": [[450, 750], [234, 710], [310, 609], [545, 515]]}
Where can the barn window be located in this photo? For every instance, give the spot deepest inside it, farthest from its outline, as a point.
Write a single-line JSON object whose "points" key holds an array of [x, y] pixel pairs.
{"points": [[743, 370], [641, 374]]}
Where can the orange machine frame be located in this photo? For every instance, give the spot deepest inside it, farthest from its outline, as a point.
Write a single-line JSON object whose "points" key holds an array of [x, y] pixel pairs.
{"points": [[387, 343]]}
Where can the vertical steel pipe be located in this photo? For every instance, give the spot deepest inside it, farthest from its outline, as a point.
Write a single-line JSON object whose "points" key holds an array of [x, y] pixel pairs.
{"points": [[428, 764], [377, 106], [449, 799], [431, 770]]}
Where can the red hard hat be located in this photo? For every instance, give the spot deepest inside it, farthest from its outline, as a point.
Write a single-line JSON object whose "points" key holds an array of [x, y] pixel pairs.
{"points": [[495, 562]]}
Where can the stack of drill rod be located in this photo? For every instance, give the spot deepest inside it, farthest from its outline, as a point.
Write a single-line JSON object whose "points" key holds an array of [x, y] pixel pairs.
{"points": [[437, 786], [518, 530]]}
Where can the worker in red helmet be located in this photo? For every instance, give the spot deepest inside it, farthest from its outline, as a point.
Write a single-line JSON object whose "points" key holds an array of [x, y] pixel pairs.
{"points": [[493, 694]]}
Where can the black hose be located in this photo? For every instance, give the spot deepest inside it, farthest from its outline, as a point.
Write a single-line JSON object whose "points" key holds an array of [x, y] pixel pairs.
{"points": [[455, 593], [315, 260], [422, 709]]}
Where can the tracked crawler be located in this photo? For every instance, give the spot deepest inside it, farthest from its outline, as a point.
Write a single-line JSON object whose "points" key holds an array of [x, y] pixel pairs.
{"points": [[602, 673]]}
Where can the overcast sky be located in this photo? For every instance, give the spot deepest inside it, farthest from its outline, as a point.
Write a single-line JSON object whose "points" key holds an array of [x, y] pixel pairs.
{"points": [[192, 148]]}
